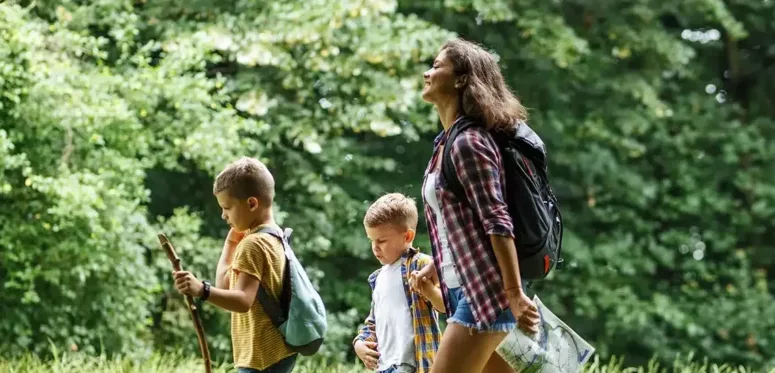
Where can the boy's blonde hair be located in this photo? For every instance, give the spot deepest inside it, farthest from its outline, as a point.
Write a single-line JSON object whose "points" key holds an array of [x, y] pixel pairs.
{"points": [[394, 208], [245, 178]]}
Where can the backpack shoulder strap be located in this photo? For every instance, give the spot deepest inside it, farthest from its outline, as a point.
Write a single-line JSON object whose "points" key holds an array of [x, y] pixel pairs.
{"points": [[274, 308], [448, 172], [274, 231]]}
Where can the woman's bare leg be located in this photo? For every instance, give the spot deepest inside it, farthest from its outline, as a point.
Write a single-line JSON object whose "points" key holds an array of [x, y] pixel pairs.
{"points": [[462, 351], [497, 364]]}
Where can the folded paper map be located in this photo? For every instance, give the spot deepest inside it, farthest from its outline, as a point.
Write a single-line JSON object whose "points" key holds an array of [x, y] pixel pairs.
{"points": [[556, 348]]}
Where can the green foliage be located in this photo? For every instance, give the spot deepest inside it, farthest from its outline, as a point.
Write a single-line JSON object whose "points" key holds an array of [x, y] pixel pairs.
{"points": [[116, 115], [173, 362], [72, 221], [176, 363]]}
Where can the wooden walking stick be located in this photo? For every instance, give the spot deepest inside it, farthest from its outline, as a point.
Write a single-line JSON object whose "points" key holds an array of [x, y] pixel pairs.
{"points": [[200, 331]]}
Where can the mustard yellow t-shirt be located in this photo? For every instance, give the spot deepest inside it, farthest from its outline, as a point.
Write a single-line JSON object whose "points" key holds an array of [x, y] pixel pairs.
{"points": [[256, 342]]}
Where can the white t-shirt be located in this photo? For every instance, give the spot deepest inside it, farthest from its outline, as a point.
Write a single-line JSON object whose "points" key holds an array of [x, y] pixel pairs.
{"points": [[448, 272], [395, 333]]}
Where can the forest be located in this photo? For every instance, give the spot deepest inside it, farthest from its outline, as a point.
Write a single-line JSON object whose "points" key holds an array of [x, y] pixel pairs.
{"points": [[116, 115]]}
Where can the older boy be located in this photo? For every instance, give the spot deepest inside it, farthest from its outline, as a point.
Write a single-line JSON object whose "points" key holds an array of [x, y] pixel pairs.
{"points": [[401, 334], [245, 191]]}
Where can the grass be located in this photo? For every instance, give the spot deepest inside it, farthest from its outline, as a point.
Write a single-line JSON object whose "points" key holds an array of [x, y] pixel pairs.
{"points": [[685, 364], [170, 363]]}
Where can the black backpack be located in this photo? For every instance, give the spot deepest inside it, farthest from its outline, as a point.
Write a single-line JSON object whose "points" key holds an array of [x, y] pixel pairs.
{"points": [[532, 205]]}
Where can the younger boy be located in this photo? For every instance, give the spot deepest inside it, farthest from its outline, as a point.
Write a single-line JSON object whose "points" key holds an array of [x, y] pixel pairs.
{"points": [[245, 191], [401, 334]]}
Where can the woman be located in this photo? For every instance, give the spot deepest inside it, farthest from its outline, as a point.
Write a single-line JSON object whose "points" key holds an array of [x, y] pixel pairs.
{"points": [[473, 243]]}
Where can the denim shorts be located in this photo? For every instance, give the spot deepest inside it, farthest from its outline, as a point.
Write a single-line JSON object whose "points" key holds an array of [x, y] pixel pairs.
{"points": [[461, 314], [283, 366]]}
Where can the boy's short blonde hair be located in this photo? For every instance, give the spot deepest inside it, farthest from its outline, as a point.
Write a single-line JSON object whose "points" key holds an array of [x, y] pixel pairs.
{"points": [[245, 178], [394, 208]]}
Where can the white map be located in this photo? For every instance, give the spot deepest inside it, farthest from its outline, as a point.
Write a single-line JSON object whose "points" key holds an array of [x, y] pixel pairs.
{"points": [[556, 348]]}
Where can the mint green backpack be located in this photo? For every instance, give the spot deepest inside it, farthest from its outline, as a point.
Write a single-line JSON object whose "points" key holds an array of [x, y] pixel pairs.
{"points": [[299, 314]]}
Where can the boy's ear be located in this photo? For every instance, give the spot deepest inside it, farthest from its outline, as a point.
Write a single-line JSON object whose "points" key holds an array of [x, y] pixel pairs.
{"points": [[253, 203], [409, 235]]}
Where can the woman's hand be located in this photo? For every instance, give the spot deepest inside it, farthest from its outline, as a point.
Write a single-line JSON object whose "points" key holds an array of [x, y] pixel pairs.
{"points": [[425, 276], [524, 310], [427, 290], [422, 285]]}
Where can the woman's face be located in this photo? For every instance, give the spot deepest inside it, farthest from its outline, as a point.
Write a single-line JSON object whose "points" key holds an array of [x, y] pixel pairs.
{"points": [[440, 81]]}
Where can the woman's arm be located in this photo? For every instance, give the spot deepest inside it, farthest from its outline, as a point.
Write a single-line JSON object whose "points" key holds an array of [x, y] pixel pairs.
{"points": [[477, 165], [506, 253]]}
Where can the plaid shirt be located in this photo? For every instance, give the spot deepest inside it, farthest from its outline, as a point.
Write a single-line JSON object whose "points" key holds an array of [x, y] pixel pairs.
{"points": [[477, 162], [425, 320]]}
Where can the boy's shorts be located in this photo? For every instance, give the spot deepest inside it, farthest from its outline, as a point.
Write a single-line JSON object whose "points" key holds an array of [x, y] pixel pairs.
{"points": [[283, 366], [462, 315]]}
